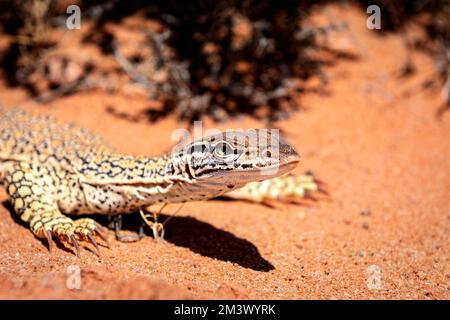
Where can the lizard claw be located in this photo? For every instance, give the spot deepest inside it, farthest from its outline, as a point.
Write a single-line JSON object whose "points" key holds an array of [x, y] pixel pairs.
{"points": [[100, 232], [48, 235], [75, 244], [92, 240], [88, 228], [51, 225]]}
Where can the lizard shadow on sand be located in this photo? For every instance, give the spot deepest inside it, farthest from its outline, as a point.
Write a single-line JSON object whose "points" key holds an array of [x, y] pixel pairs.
{"points": [[188, 232], [206, 240]]}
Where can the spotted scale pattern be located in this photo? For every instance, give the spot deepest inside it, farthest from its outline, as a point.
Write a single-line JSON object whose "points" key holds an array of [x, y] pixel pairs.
{"points": [[50, 168]]}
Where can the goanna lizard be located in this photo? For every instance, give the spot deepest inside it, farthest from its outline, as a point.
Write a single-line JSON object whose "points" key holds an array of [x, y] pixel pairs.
{"points": [[50, 168]]}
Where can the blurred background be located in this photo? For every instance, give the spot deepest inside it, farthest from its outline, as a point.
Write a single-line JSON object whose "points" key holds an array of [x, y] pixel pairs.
{"points": [[214, 59]]}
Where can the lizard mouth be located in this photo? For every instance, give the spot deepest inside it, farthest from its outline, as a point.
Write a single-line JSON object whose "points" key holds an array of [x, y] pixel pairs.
{"points": [[277, 169], [257, 173]]}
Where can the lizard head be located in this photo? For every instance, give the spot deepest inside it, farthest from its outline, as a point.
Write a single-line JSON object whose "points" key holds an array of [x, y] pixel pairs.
{"points": [[203, 169], [221, 162]]}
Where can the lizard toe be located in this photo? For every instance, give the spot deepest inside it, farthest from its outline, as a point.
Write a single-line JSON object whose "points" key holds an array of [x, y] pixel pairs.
{"points": [[87, 228]]}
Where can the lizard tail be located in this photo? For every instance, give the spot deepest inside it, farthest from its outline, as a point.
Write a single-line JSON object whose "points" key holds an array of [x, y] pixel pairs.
{"points": [[286, 187]]}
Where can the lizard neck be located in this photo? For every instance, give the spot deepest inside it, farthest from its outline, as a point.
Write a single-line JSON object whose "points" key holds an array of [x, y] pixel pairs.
{"points": [[125, 169], [122, 183]]}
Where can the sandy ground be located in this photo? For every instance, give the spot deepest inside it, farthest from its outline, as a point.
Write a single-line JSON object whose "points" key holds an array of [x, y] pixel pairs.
{"points": [[382, 233]]}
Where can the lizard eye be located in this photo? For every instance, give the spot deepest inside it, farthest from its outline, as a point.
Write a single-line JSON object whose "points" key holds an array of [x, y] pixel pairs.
{"points": [[223, 149]]}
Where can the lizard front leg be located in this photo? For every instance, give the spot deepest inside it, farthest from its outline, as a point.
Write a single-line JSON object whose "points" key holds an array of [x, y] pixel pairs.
{"points": [[27, 187]]}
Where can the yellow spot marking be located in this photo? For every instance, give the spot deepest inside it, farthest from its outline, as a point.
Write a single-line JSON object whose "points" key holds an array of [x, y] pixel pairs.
{"points": [[29, 176], [36, 189], [105, 167], [24, 165], [47, 207], [12, 189], [127, 164], [24, 191], [47, 180], [42, 157], [17, 176], [18, 204], [26, 215], [35, 205]]}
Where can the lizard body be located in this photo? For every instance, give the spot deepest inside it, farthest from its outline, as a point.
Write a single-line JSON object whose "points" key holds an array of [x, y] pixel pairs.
{"points": [[50, 169]]}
